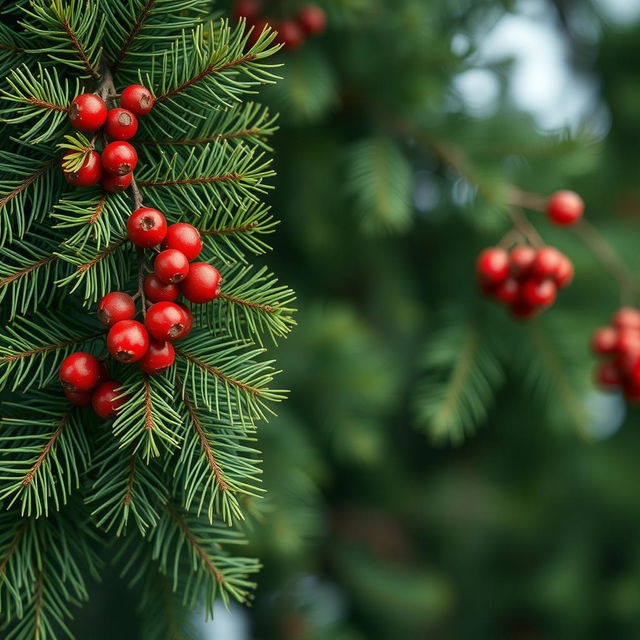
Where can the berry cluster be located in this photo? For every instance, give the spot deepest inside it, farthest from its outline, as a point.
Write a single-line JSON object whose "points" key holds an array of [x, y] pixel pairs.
{"points": [[149, 343], [292, 32], [524, 279], [114, 167], [85, 381], [619, 343]]}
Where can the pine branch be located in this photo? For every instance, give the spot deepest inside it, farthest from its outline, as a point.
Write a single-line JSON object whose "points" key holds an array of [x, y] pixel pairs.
{"points": [[31, 350], [43, 456], [462, 376], [147, 420], [227, 377], [73, 29]]}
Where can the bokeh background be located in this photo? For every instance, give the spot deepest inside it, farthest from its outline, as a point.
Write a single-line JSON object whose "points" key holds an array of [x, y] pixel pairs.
{"points": [[441, 471]]}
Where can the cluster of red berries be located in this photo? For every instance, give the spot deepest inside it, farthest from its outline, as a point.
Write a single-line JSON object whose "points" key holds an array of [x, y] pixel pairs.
{"points": [[310, 21], [85, 381], [114, 167], [524, 279], [619, 344], [148, 343]]}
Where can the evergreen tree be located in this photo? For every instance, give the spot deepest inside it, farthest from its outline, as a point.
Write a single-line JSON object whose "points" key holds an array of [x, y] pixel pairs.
{"points": [[162, 489]]}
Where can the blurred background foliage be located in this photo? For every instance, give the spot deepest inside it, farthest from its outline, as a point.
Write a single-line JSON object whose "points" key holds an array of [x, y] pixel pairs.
{"points": [[401, 131]]}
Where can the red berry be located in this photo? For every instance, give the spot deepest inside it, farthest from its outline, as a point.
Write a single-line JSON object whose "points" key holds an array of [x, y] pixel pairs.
{"points": [[493, 265], [121, 124], [604, 340], [127, 341], [116, 184], [546, 263], [156, 291], [80, 372], [188, 316], [524, 310], [565, 208], [87, 112], [166, 321], [79, 398], [247, 9], [202, 284], [116, 306], [507, 291], [608, 375], [105, 400], [137, 99], [312, 19], [290, 35], [184, 237], [159, 358], [626, 318], [119, 158], [539, 292], [564, 272], [628, 349], [88, 174], [521, 258], [146, 227], [171, 266]]}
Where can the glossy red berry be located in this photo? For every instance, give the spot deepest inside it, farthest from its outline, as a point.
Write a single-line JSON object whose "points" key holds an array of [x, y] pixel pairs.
{"points": [[80, 372], [247, 9], [521, 259], [116, 184], [627, 318], [188, 319], [492, 265], [539, 292], [119, 158], [121, 124], [202, 284], [128, 341], [565, 208], [137, 99], [290, 35], [87, 112], [564, 272], [116, 306], [106, 400], [166, 321], [146, 227], [159, 357], [89, 173], [546, 263], [171, 266], [608, 375], [604, 340], [78, 398], [628, 349], [507, 291], [156, 291], [185, 238], [312, 19]]}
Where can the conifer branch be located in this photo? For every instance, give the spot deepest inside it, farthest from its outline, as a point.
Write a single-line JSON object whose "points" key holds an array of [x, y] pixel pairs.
{"points": [[232, 135], [91, 70], [206, 560], [98, 211], [209, 71], [103, 255], [49, 347], [27, 270], [230, 230], [230, 177], [47, 449], [25, 184], [135, 30]]}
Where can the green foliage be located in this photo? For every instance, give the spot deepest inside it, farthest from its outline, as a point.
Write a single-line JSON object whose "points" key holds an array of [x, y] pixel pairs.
{"points": [[171, 476]]}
